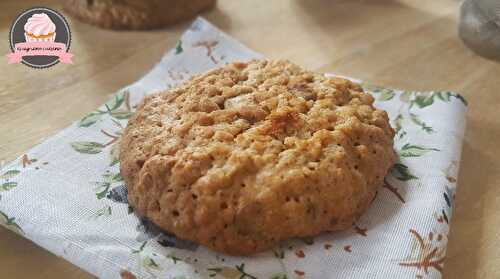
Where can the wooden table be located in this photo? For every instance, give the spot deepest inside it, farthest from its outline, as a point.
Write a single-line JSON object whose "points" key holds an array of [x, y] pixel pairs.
{"points": [[402, 44]]}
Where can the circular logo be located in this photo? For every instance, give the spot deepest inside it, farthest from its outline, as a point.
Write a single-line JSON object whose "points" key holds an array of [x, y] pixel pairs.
{"points": [[40, 38]]}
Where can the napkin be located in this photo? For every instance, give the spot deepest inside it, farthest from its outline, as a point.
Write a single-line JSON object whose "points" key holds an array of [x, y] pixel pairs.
{"points": [[67, 195]]}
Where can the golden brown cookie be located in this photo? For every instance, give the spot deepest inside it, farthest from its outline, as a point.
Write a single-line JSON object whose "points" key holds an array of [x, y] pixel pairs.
{"points": [[134, 14], [250, 154]]}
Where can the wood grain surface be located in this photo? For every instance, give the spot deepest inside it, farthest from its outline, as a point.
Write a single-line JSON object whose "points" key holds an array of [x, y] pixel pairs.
{"points": [[401, 44]]}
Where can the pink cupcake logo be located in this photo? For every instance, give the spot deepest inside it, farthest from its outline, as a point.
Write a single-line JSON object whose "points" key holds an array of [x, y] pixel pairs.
{"points": [[39, 28], [40, 38]]}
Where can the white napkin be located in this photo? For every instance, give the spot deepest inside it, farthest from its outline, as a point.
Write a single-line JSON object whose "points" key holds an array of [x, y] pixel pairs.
{"points": [[67, 196]]}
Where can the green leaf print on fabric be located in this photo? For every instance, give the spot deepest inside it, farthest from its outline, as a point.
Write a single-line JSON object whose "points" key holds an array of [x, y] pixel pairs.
{"points": [[178, 48], [424, 100], [7, 186], [149, 263], [87, 147], [279, 253], [449, 197], [415, 119], [103, 190], [10, 223], [115, 102], [230, 272], [405, 97], [401, 172], [420, 99], [9, 174], [114, 154], [121, 114], [445, 96], [141, 248], [386, 95], [105, 211], [104, 186], [117, 177], [398, 125], [241, 269], [461, 98], [371, 87], [174, 258], [146, 259], [112, 107], [279, 276], [90, 119], [409, 150]]}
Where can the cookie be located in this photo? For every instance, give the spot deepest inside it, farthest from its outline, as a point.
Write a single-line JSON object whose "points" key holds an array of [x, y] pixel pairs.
{"points": [[133, 14], [251, 154]]}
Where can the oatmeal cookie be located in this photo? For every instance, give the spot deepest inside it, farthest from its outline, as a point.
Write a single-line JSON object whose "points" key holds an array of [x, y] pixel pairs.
{"points": [[134, 14], [250, 154]]}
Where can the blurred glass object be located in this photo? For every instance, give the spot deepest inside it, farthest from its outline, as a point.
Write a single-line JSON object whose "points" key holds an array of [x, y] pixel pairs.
{"points": [[479, 27]]}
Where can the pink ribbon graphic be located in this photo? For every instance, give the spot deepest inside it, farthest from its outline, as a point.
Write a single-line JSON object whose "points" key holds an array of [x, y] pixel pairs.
{"points": [[40, 49]]}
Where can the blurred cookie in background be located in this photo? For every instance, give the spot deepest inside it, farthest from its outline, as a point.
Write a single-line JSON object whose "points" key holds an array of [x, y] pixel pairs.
{"points": [[135, 14], [479, 27]]}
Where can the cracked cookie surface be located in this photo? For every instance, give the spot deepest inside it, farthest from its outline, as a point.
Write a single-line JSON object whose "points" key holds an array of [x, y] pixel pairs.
{"points": [[247, 155]]}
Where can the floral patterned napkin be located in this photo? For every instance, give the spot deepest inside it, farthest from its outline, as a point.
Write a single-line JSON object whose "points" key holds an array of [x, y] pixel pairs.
{"points": [[67, 195]]}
